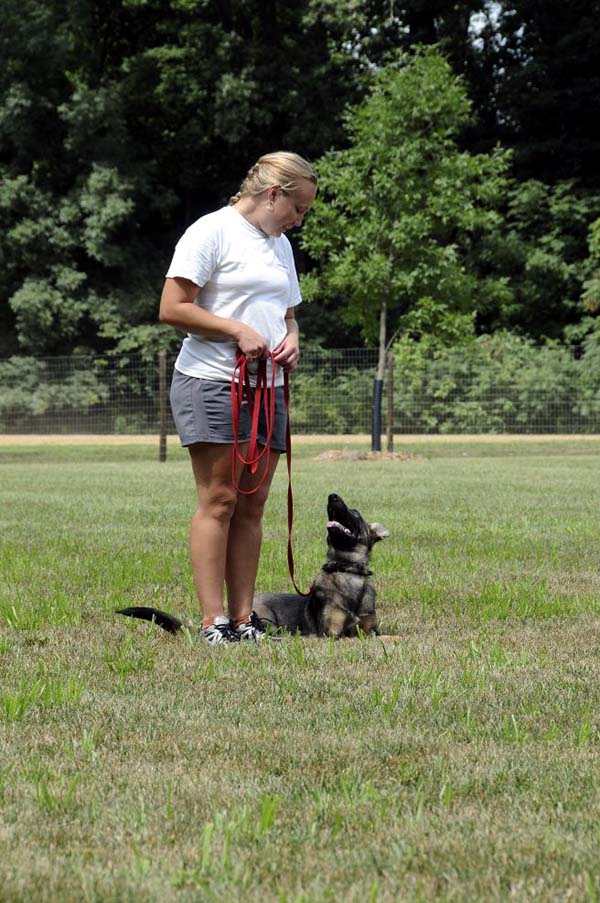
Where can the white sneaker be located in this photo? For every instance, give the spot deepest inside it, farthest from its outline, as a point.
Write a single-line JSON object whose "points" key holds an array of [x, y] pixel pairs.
{"points": [[251, 630], [219, 632]]}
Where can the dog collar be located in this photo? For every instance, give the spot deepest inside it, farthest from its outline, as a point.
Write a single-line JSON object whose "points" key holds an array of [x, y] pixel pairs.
{"points": [[332, 567]]}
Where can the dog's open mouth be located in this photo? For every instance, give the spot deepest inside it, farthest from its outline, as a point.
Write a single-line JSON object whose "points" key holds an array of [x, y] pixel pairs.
{"points": [[342, 525], [335, 525]]}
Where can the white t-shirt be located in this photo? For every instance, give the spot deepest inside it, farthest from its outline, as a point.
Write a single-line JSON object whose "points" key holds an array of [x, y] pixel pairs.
{"points": [[243, 275]]}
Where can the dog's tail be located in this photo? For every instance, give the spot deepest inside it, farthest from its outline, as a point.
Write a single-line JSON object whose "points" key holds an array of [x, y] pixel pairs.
{"points": [[168, 622]]}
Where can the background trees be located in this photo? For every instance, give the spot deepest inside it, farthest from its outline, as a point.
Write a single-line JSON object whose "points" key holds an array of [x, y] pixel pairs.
{"points": [[541, 86], [121, 121]]}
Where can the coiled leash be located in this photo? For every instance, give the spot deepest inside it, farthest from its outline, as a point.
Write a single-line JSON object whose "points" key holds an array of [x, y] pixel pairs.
{"points": [[261, 395]]}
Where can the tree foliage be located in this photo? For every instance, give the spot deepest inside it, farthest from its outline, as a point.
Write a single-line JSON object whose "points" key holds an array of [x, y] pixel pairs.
{"points": [[121, 121], [591, 285], [535, 78], [537, 254], [397, 205]]}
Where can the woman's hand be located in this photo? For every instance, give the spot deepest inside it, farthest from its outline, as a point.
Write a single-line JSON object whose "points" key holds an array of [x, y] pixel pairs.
{"points": [[287, 353], [251, 343]]}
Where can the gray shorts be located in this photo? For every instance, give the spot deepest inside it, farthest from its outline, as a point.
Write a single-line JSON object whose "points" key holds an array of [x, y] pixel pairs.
{"points": [[202, 413]]}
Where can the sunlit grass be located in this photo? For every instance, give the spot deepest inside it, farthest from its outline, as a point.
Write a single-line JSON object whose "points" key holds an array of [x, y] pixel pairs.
{"points": [[459, 763]]}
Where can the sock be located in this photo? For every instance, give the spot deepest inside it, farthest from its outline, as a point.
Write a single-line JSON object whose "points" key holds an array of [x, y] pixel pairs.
{"points": [[208, 622]]}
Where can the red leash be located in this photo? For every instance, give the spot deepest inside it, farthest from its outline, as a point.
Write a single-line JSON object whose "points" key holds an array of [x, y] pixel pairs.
{"points": [[264, 395], [261, 394]]}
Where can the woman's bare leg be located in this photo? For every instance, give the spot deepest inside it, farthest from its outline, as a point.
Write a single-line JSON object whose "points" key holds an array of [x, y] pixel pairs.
{"points": [[210, 527], [245, 537]]}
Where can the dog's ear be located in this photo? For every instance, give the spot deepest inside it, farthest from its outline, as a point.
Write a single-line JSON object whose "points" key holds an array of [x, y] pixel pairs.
{"points": [[378, 532]]}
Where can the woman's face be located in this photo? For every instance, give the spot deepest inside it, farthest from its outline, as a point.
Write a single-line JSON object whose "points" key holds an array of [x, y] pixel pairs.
{"points": [[287, 211]]}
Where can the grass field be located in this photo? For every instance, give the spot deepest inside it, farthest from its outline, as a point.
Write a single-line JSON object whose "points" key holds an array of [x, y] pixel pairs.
{"points": [[458, 764]]}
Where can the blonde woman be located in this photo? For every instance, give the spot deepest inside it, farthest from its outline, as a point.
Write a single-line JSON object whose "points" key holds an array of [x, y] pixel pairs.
{"points": [[232, 286]]}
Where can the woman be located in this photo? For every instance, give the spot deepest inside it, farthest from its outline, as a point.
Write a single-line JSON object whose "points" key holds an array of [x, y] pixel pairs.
{"points": [[232, 286]]}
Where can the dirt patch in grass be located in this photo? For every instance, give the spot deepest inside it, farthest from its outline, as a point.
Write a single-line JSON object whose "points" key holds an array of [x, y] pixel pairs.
{"points": [[350, 455]]}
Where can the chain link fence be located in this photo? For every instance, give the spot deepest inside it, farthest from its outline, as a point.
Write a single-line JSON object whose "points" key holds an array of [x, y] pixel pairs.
{"points": [[332, 392]]}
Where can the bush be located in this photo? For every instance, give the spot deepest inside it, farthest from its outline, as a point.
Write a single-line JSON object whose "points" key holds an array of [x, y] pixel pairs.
{"points": [[332, 402], [76, 394], [35, 387], [501, 383]]}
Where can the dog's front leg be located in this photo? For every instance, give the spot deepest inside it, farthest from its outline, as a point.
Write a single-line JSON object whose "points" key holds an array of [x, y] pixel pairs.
{"points": [[368, 624], [367, 616], [337, 621]]}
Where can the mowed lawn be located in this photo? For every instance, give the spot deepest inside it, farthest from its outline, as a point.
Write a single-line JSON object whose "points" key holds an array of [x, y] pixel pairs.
{"points": [[460, 763]]}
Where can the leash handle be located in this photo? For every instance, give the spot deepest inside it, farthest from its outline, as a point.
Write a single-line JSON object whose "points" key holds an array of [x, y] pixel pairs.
{"points": [[266, 395]]}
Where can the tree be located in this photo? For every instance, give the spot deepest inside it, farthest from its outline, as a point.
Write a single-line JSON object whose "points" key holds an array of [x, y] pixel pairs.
{"points": [[535, 80], [121, 121], [537, 254], [389, 228], [79, 204], [587, 330]]}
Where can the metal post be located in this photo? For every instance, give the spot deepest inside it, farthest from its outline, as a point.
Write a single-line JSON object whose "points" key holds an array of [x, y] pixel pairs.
{"points": [[162, 405], [376, 419], [378, 384], [390, 401]]}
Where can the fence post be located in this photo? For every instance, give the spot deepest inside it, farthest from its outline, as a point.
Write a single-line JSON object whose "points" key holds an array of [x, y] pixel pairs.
{"points": [[390, 401], [162, 405]]}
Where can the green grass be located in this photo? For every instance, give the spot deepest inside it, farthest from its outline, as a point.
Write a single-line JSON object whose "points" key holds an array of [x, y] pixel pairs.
{"points": [[458, 764]]}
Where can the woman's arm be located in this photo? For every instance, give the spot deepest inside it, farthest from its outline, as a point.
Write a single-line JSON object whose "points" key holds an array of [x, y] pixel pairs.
{"points": [[287, 352], [178, 309]]}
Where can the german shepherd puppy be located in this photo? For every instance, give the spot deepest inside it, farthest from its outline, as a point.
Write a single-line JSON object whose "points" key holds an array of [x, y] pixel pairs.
{"points": [[341, 601]]}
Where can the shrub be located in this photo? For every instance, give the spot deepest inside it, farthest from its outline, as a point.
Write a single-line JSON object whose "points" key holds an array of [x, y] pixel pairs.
{"points": [[499, 383]]}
